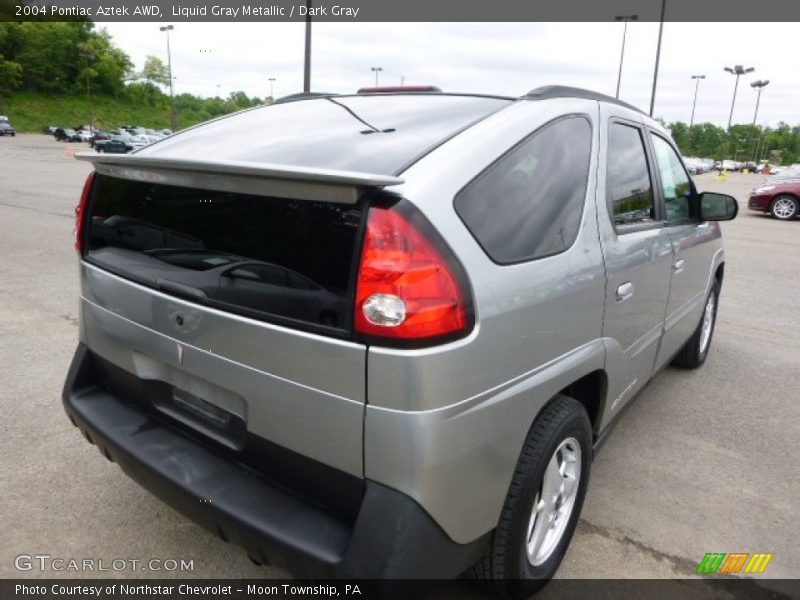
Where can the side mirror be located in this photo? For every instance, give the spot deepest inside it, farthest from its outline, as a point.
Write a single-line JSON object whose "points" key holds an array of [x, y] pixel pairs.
{"points": [[717, 207]]}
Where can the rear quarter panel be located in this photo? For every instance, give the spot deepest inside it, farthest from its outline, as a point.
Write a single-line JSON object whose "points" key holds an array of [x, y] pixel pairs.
{"points": [[446, 424]]}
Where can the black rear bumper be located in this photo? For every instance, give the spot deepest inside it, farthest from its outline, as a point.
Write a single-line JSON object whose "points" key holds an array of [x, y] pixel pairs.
{"points": [[391, 537]]}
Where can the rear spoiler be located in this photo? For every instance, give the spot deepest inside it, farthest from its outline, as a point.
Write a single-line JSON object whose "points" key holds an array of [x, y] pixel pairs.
{"points": [[243, 177]]}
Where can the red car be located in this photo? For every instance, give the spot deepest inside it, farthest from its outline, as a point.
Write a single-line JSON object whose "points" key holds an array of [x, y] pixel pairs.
{"points": [[779, 197]]}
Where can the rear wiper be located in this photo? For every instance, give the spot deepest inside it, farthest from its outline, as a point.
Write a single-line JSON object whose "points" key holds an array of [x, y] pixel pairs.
{"points": [[181, 289]]}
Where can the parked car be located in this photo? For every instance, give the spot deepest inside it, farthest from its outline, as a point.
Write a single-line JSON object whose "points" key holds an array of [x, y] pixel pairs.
{"points": [[117, 144], [728, 165], [778, 196], [7, 129], [99, 136], [139, 141], [65, 134], [395, 355], [82, 135], [50, 130]]}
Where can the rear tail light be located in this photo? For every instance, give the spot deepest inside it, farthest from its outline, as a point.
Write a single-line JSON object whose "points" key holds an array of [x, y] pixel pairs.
{"points": [[411, 290], [80, 213]]}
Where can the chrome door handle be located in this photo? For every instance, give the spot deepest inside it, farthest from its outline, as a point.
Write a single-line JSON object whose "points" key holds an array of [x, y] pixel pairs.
{"points": [[678, 266], [624, 291]]}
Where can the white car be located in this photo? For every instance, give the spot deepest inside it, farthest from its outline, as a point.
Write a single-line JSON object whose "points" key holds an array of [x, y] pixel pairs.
{"points": [[139, 141]]}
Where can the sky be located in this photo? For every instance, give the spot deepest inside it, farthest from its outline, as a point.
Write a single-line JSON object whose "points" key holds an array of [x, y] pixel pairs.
{"points": [[210, 59]]}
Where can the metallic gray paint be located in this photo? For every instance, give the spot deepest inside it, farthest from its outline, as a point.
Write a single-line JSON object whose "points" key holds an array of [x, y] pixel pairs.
{"points": [[302, 391], [242, 177], [445, 424]]}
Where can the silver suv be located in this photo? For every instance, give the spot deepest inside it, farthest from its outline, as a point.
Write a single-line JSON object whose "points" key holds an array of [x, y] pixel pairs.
{"points": [[382, 335]]}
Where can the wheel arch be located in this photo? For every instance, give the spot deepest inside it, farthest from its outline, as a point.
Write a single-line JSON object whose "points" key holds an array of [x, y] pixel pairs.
{"points": [[590, 390]]}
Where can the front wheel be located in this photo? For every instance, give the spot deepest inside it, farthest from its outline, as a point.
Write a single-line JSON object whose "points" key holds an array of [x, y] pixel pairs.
{"points": [[784, 208], [543, 503]]}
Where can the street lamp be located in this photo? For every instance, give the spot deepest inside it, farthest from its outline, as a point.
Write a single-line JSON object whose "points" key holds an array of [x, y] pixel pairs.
{"points": [[307, 53], [697, 79], [737, 70], [86, 56], [272, 88], [625, 19], [376, 70], [169, 28], [758, 85], [658, 56]]}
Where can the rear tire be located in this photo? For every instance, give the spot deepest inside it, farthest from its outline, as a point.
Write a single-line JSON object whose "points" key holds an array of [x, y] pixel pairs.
{"points": [[544, 499], [784, 207], [695, 351]]}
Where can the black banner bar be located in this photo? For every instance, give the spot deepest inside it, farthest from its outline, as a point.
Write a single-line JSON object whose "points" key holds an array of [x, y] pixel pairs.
{"points": [[705, 588], [398, 10]]}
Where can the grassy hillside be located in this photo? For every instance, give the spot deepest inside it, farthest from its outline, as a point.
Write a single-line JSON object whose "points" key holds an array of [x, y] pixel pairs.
{"points": [[33, 112]]}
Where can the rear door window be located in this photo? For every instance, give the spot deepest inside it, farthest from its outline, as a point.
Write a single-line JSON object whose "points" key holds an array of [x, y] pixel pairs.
{"points": [[630, 191], [529, 203], [276, 259]]}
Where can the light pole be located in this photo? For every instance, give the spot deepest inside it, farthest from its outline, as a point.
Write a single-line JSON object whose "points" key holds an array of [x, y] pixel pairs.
{"points": [[169, 28], [737, 70], [658, 56], [625, 19], [307, 56], [758, 85], [697, 79], [376, 70], [272, 88], [87, 57]]}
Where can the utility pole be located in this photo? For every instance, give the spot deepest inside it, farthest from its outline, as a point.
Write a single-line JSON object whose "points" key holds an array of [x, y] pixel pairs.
{"points": [[272, 88]]}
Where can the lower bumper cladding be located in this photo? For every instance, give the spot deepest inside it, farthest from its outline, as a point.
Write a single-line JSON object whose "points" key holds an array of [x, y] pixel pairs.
{"points": [[392, 537]]}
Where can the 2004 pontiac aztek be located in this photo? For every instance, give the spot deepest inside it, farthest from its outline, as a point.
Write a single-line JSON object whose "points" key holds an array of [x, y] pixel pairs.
{"points": [[380, 335]]}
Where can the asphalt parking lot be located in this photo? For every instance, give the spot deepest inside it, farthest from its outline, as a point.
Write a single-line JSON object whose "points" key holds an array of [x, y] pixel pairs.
{"points": [[704, 461]]}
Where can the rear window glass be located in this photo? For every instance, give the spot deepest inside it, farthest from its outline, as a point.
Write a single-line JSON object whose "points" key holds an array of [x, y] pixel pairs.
{"points": [[375, 134], [287, 261], [529, 203]]}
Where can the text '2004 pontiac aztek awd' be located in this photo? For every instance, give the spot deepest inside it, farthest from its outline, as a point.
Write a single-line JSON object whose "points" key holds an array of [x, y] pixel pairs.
{"points": [[381, 335]]}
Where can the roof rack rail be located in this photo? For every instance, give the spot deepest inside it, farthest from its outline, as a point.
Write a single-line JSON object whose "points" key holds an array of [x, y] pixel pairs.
{"points": [[547, 92], [391, 89], [304, 96]]}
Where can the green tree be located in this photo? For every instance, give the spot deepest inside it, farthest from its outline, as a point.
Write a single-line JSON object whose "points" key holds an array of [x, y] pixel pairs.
{"points": [[155, 71], [10, 75]]}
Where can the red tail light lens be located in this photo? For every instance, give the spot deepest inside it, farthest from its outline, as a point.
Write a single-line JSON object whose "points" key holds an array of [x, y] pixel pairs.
{"points": [[80, 212], [410, 288]]}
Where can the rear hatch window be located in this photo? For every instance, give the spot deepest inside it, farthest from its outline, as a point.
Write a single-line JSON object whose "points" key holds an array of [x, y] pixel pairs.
{"points": [[370, 133], [290, 262]]}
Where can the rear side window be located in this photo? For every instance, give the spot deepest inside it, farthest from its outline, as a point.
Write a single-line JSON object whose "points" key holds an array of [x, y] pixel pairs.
{"points": [[528, 204], [630, 192], [281, 260]]}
